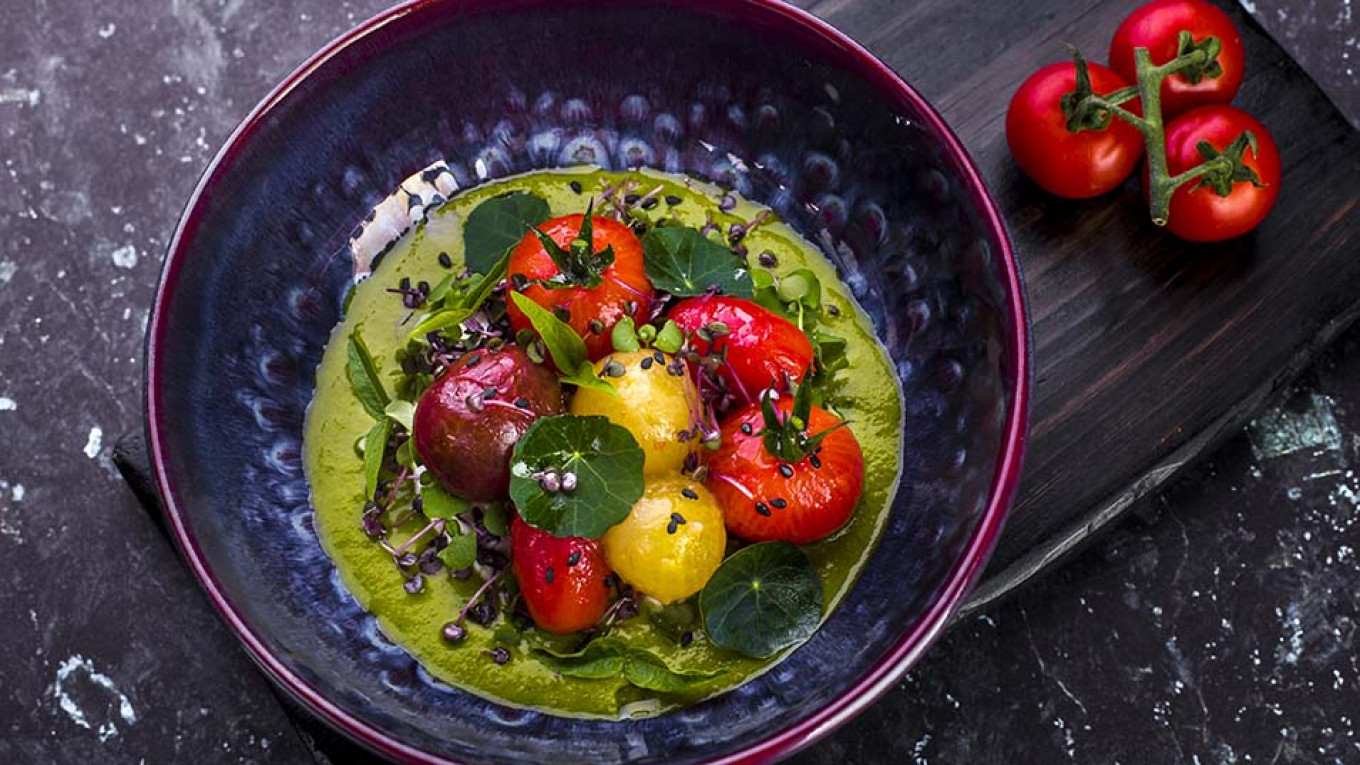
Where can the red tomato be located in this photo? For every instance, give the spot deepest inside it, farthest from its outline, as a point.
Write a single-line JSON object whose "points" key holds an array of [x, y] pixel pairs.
{"points": [[562, 579], [1157, 27], [1071, 165], [765, 498], [761, 345], [604, 303], [1197, 212]]}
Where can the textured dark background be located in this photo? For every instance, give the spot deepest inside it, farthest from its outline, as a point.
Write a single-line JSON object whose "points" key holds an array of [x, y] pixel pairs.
{"points": [[1219, 627]]}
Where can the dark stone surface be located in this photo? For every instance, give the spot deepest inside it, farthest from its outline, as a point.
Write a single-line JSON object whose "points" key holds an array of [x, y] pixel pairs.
{"points": [[1323, 36], [1222, 630]]}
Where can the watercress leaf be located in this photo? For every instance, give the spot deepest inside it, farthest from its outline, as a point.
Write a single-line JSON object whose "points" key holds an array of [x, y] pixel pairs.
{"points": [[375, 449], [567, 349], [762, 599], [496, 519], [475, 296], [495, 225], [363, 377], [461, 552], [585, 377], [646, 670], [607, 462], [801, 286], [443, 318], [624, 335], [601, 658], [681, 261], [670, 338], [438, 503], [402, 412]]}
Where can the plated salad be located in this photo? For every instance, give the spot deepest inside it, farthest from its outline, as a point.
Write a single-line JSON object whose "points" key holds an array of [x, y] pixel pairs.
{"points": [[603, 444]]}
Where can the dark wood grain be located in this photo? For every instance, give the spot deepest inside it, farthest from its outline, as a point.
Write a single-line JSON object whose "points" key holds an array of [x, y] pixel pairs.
{"points": [[1147, 350]]}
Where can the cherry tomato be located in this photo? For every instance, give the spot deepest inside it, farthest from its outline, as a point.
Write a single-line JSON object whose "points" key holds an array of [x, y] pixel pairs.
{"points": [[593, 302], [1157, 27], [761, 346], [671, 542], [800, 500], [465, 436], [651, 403], [562, 579], [1071, 165], [1197, 212]]}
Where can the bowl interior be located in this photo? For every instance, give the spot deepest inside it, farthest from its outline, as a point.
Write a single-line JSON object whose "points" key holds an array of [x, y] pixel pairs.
{"points": [[743, 93]]}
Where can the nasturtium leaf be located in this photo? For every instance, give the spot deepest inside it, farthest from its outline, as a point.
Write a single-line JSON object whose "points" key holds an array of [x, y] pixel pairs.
{"points": [[496, 519], [375, 449], [670, 338], [401, 412], [438, 503], [624, 336], [461, 551], [363, 377], [497, 224], [646, 670], [682, 262], [606, 460], [762, 599], [601, 658]]}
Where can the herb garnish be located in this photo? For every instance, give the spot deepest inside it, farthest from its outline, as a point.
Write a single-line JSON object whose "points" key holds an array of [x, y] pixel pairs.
{"points": [[567, 349], [605, 460], [363, 377], [497, 224], [797, 296], [762, 599], [610, 657], [684, 262]]}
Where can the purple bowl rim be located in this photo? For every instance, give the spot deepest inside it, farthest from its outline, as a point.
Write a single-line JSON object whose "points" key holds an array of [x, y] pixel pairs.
{"points": [[866, 689]]}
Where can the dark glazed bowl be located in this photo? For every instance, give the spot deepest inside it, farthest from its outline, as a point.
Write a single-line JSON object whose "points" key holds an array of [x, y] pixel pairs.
{"points": [[748, 93]]}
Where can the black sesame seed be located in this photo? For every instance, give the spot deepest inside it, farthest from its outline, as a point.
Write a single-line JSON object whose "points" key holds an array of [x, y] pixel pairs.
{"points": [[646, 363], [768, 259], [549, 575], [522, 403], [490, 392], [483, 613], [445, 260], [574, 558], [816, 462], [678, 519], [613, 368], [405, 283], [424, 287], [786, 471], [562, 312], [671, 527], [689, 493], [686, 638], [631, 199], [779, 503], [673, 200], [762, 509], [473, 360], [747, 429], [833, 310], [596, 327], [575, 186], [650, 203]]}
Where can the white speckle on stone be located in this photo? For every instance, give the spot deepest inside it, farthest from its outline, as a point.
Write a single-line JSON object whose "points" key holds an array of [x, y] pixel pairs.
{"points": [[106, 31], [61, 687], [17, 492], [20, 96], [7, 271], [125, 256], [7, 404], [94, 443], [1281, 431]]}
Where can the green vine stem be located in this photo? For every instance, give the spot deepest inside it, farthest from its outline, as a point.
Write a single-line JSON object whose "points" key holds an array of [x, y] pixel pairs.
{"points": [[1087, 111]]}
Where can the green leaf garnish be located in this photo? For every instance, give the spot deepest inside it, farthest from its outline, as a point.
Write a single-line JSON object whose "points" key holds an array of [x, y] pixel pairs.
{"points": [[565, 347], [682, 262], [762, 600], [624, 336], [443, 315], [461, 552], [609, 657], [363, 377], [475, 296], [444, 318], [496, 225], [401, 412], [606, 460], [670, 338], [375, 450], [496, 519], [438, 503]]}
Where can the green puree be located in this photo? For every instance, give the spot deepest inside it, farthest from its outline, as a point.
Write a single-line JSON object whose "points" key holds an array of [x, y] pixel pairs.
{"points": [[869, 397]]}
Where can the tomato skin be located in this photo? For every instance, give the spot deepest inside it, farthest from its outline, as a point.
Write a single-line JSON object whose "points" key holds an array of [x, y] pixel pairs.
{"points": [[578, 594], [667, 560], [624, 281], [1070, 165], [1197, 213], [762, 346], [1157, 26], [819, 499]]}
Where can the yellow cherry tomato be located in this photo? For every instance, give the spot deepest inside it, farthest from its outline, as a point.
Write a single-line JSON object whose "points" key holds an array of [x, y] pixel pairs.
{"points": [[653, 404], [671, 542]]}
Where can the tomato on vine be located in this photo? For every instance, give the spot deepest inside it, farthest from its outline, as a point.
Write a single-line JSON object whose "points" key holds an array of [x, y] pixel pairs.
{"points": [[1173, 28], [1227, 202]]}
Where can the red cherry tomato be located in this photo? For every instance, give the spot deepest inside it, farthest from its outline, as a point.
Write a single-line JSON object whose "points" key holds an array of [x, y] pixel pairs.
{"points": [[562, 579], [1071, 165], [605, 303], [766, 499], [761, 346], [1197, 212], [1157, 27]]}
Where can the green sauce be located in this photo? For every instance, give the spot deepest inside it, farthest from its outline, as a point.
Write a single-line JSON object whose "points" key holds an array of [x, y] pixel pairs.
{"points": [[336, 420]]}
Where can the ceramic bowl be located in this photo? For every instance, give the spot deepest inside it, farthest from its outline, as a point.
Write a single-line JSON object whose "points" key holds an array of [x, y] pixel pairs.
{"points": [[445, 94]]}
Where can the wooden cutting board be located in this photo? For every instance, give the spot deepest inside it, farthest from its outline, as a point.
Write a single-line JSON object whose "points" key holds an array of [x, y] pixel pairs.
{"points": [[1148, 350]]}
